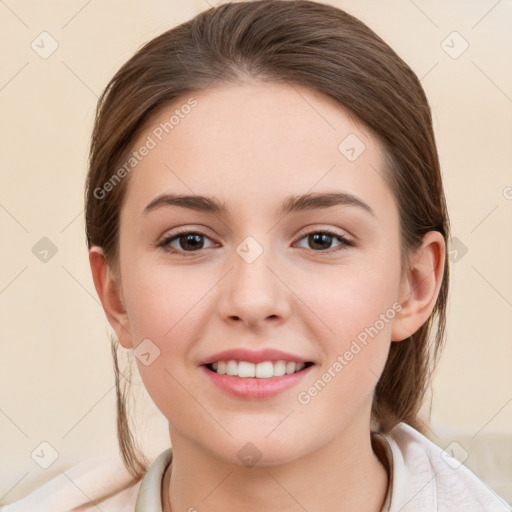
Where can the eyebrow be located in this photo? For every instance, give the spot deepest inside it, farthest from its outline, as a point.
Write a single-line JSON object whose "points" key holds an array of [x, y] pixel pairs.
{"points": [[292, 204]]}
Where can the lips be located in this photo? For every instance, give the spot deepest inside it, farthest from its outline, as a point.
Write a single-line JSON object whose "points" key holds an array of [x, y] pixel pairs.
{"points": [[255, 374]]}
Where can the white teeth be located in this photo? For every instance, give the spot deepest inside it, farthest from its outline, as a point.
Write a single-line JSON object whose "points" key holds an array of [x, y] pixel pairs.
{"points": [[246, 369], [290, 368], [279, 368], [264, 370], [232, 368]]}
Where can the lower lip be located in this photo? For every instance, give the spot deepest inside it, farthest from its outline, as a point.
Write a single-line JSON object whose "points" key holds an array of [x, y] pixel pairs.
{"points": [[254, 388]]}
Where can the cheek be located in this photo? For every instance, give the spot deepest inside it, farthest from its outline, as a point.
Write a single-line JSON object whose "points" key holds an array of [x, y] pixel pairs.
{"points": [[359, 314], [166, 306], [161, 300], [354, 307], [169, 390], [347, 299]]}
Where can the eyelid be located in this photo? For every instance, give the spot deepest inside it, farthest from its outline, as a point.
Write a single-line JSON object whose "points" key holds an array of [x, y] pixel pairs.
{"points": [[318, 228], [180, 230]]}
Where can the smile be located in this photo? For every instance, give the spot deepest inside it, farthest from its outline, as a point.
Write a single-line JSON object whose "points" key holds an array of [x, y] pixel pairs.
{"points": [[262, 370], [256, 381]]}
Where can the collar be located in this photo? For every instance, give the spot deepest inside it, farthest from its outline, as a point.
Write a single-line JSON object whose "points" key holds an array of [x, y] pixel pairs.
{"points": [[150, 491]]}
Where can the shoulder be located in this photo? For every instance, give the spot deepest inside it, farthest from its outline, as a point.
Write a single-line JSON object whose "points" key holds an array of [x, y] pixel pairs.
{"points": [[426, 478], [100, 482]]}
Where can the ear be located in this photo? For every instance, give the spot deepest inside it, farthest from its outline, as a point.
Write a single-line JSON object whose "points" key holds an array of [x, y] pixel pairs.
{"points": [[108, 288], [420, 286]]}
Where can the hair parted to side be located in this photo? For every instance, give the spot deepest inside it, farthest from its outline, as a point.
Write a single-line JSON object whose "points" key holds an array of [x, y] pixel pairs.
{"points": [[298, 42]]}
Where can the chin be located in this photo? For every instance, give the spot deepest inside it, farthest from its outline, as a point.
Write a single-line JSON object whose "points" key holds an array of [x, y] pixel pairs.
{"points": [[259, 450]]}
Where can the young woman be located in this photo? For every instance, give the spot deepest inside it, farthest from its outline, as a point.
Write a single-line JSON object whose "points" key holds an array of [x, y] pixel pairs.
{"points": [[267, 233]]}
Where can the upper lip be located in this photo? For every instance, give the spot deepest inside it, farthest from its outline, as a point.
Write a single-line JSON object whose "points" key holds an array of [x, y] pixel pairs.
{"points": [[253, 356]]}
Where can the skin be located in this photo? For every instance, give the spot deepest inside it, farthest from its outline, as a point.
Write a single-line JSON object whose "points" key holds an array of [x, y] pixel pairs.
{"points": [[251, 145]]}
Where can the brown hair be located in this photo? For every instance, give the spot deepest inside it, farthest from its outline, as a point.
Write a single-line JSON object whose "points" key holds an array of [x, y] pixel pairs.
{"points": [[297, 42]]}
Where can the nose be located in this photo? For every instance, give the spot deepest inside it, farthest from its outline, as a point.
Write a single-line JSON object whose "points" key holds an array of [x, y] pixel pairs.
{"points": [[253, 293]]}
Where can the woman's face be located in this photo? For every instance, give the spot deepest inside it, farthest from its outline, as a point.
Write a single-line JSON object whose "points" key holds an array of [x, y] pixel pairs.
{"points": [[318, 279]]}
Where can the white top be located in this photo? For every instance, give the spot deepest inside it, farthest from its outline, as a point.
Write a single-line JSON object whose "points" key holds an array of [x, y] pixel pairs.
{"points": [[423, 478]]}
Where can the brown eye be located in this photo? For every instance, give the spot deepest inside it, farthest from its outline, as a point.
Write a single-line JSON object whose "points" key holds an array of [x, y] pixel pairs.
{"points": [[322, 241], [191, 241], [184, 242]]}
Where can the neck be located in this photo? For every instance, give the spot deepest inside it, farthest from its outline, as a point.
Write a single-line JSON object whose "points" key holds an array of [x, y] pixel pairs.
{"points": [[344, 474]]}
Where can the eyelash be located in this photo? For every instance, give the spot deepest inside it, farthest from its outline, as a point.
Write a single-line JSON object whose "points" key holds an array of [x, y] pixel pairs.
{"points": [[164, 244]]}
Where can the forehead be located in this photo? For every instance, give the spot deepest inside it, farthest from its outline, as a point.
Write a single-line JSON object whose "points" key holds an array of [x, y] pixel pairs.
{"points": [[254, 143]]}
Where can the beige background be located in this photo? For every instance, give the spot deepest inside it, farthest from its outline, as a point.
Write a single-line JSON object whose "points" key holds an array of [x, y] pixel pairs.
{"points": [[56, 380]]}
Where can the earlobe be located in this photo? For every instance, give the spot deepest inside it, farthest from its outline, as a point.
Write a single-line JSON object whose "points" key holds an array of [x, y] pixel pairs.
{"points": [[420, 286], [110, 294]]}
